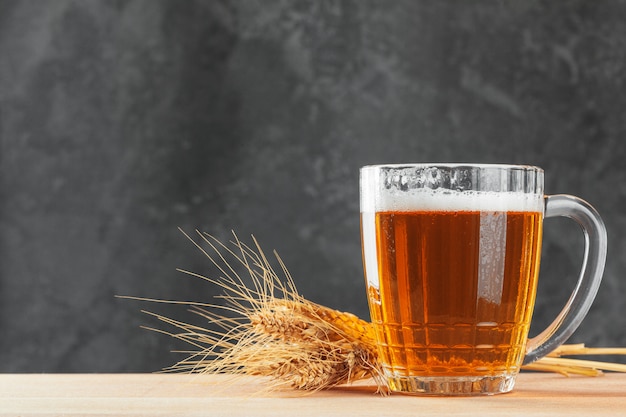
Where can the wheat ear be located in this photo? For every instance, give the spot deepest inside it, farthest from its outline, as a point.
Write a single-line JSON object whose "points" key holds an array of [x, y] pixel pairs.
{"points": [[265, 327]]}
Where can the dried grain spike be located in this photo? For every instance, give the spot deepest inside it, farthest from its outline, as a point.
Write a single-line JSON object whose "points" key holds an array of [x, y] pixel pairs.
{"points": [[349, 324], [276, 332]]}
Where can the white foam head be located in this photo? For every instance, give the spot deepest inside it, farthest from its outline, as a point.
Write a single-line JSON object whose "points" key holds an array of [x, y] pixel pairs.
{"points": [[375, 197], [446, 200]]}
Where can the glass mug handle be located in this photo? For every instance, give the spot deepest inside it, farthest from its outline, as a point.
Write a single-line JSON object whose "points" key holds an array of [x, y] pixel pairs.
{"points": [[581, 299]]}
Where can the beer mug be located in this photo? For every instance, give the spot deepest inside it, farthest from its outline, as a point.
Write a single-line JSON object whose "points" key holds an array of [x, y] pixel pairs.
{"points": [[451, 258]]}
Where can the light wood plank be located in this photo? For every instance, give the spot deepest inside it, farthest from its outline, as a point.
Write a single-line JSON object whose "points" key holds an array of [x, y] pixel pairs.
{"points": [[536, 394]]}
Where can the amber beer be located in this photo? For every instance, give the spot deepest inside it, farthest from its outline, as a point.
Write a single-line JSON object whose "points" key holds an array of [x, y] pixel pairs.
{"points": [[455, 289]]}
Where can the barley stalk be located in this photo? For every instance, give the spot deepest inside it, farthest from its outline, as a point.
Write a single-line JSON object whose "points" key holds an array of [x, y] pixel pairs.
{"points": [[266, 328]]}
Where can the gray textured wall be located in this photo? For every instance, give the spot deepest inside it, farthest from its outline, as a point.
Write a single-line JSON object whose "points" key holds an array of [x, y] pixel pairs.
{"points": [[123, 120]]}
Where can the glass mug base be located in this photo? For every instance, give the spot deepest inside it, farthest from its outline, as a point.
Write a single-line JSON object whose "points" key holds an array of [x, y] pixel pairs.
{"points": [[452, 385]]}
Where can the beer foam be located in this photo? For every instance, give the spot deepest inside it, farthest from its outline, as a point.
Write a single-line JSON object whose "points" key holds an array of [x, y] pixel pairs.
{"points": [[424, 199]]}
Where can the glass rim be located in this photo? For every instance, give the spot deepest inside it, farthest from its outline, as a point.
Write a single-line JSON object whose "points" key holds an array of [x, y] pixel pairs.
{"points": [[511, 167]]}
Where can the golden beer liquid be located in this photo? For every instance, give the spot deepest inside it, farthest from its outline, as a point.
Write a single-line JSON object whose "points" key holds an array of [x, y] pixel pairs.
{"points": [[455, 290]]}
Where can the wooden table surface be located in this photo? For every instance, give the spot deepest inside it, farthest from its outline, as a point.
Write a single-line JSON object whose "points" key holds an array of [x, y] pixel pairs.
{"points": [[536, 394]]}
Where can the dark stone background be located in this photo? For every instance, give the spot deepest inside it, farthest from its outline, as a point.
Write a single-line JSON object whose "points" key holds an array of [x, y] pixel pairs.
{"points": [[121, 121]]}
